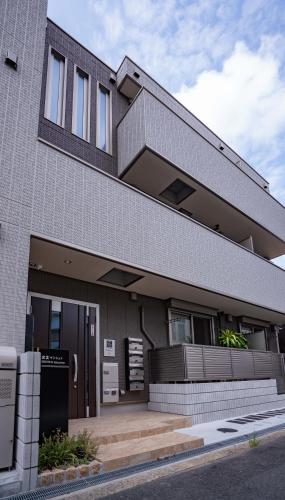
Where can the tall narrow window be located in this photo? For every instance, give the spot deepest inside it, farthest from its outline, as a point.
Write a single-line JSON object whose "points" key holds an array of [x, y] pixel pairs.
{"points": [[55, 325], [80, 119], [55, 90], [104, 119]]}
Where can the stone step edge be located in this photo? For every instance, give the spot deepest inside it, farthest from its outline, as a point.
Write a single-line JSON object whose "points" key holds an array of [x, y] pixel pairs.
{"points": [[162, 450], [168, 426]]}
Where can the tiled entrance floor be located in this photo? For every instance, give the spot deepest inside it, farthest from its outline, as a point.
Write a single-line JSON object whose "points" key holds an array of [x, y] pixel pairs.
{"points": [[131, 438]]}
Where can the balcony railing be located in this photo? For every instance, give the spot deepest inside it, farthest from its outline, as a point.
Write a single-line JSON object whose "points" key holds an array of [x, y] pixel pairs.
{"points": [[186, 362]]}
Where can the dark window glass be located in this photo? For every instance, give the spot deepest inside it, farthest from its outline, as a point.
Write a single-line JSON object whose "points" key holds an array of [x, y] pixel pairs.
{"points": [[202, 330], [55, 91], [104, 120], [80, 105], [54, 336]]}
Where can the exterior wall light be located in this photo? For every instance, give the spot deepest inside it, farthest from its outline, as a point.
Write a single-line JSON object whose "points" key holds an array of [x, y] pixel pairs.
{"points": [[11, 59]]}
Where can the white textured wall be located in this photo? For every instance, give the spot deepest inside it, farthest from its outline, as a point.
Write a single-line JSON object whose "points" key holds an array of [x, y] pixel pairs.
{"points": [[22, 30]]}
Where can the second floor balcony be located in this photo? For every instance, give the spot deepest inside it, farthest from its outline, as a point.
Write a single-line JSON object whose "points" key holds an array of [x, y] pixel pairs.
{"points": [[162, 155]]}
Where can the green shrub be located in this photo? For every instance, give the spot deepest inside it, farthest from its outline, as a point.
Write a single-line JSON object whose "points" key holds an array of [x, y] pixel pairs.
{"points": [[60, 450], [230, 338]]}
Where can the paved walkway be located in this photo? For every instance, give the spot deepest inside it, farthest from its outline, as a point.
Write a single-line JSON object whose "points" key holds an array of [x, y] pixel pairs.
{"points": [[211, 434]]}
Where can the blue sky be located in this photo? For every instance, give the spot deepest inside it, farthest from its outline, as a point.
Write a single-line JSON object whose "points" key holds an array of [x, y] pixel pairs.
{"points": [[224, 59]]}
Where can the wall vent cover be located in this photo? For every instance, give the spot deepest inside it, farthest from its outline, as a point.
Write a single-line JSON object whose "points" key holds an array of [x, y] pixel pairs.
{"points": [[6, 388]]}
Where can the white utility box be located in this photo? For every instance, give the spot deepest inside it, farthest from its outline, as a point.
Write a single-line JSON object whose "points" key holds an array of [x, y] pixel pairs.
{"points": [[8, 371], [110, 380]]}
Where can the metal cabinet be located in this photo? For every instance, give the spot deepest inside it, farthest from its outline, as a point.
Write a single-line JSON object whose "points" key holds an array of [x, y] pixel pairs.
{"points": [[8, 365], [110, 379]]}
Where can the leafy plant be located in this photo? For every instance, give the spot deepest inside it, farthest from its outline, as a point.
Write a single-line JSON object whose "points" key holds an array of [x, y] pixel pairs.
{"points": [[230, 338], [60, 450], [253, 442]]}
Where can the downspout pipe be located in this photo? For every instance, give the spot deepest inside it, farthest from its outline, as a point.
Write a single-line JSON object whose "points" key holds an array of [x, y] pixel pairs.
{"points": [[143, 330]]}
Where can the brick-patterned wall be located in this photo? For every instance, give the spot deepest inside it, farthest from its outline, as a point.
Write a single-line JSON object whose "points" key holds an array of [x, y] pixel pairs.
{"points": [[207, 402], [99, 72]]}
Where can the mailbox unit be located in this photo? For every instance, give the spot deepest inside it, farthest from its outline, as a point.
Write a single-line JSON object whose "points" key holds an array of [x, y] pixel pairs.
{"points": [[134, 364]]}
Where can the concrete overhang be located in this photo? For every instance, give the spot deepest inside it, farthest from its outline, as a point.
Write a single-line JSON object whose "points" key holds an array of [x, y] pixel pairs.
{"points": [[51, 257], [152, 174]]}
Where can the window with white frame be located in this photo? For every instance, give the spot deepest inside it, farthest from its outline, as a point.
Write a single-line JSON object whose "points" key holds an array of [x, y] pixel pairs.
{"points": [[190, 328], [81, 104], [55, 88], [104, 119]]}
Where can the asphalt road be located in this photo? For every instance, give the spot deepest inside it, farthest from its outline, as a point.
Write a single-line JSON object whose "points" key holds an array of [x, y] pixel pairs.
{"points": [[258, 474]]}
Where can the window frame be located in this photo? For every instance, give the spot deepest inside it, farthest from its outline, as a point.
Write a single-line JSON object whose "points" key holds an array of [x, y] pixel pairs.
{"points": [[86, 133], [98, 112], [48, 90], [190, 315], [252, 326]]}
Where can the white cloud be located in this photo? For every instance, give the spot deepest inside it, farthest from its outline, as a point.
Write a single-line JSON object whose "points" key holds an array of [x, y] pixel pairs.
{"points": [[280, 261], [245, 101]]}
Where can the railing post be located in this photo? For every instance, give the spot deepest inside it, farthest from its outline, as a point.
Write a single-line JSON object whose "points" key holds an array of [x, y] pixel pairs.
{"points": [[231, 358], [253, 363]]}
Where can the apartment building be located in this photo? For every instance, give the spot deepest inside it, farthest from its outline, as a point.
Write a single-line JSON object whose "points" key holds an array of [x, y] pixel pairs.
{"points": [[129, 231]]}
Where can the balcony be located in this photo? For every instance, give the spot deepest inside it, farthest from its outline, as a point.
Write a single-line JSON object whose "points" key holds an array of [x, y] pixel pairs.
{"points": [[156, 147], [131, 78], [187, 362]]}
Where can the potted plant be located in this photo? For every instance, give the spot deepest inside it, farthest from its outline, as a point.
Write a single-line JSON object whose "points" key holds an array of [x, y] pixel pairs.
{"points": [[230, 338]]}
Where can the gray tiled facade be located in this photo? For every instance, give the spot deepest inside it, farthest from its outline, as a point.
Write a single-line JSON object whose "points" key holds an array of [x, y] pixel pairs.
{"points": [[129, 67], [73, 196], [22, 30]]}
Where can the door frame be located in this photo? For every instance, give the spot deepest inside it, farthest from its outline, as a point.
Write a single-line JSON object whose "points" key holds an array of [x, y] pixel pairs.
{"points": [[97, 333]]}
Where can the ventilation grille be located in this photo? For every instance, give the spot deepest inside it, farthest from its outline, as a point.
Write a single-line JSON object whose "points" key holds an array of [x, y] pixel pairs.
{"points": [[6, 388]]}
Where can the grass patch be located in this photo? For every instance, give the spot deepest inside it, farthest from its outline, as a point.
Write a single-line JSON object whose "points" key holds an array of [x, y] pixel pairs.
{"points": [[253, 442], [60, 450]]}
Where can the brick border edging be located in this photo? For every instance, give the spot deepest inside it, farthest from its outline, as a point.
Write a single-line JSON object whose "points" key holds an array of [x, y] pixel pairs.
{"points": [[125, 483], [58, 476]]}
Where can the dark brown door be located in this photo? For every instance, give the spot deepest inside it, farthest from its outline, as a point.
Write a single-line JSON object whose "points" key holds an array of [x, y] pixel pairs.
{"points": [[65, 325], [72, 338], [91, 353]]}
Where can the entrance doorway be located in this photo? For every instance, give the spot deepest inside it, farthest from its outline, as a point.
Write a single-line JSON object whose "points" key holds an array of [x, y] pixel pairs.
{"points": [[62, 324]]}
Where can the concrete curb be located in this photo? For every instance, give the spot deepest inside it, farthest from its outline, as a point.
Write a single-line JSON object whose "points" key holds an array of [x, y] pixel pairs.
{"points": [[103, 490]]}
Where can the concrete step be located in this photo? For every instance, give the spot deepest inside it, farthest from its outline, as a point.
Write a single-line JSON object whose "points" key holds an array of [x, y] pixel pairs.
{"points": [[135, 451], [132, 425]]}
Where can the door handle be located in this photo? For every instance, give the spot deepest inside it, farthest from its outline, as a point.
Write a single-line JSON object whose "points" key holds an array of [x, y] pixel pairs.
{"points": [[75, 368]]}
